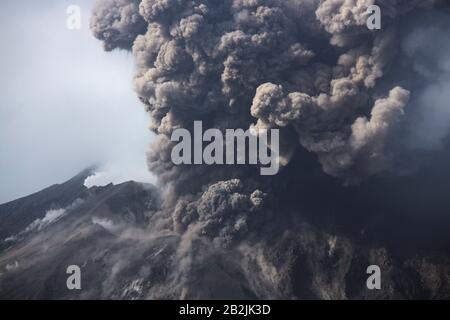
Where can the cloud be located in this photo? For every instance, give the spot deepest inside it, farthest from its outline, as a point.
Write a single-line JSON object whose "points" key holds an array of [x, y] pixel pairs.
{"points": [[105, 224], [51, 217], [428, 49]]}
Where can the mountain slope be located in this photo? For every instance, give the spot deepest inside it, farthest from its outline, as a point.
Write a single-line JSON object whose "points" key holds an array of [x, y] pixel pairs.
{"points": [[68, 224], [105, 231]]}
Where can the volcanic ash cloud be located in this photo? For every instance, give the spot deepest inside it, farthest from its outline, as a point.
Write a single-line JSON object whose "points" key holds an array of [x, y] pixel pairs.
{"points": [[312, 69]]}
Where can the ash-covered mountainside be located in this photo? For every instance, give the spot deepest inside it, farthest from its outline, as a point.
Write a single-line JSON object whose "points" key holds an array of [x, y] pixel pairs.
{"points": [[68, 224], [108, 232]]}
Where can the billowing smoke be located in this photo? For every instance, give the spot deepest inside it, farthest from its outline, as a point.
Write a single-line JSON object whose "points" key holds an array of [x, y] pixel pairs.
{"points": [[117, 23], [351, 97]]}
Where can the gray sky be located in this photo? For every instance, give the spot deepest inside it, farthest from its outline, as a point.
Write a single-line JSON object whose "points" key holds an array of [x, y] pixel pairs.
{"points": [[64, 103]]}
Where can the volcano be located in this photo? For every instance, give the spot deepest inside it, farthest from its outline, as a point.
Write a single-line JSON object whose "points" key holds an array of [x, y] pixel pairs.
{"points": [[105, 231]]}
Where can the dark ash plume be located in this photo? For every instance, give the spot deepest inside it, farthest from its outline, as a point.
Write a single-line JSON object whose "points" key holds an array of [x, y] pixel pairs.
{"points": [[117, 23], [309, 68]]}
